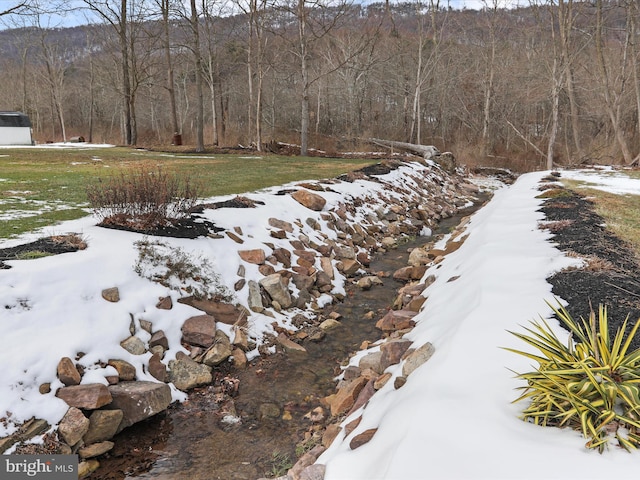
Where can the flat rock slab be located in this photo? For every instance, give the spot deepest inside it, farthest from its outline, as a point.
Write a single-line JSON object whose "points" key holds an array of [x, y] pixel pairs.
{"points": [[139, 400], [223, 312], [89, 396]]}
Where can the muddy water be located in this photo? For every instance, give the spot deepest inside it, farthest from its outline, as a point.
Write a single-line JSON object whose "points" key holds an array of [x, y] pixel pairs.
{"points": [[252, 432]]}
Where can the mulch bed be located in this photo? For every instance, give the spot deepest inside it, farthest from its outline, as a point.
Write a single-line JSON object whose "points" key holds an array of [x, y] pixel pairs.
{"points": [[612, 274], [53, 245], [187, 227]]}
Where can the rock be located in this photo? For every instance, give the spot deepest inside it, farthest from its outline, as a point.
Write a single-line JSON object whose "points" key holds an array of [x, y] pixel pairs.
{"points": [[403, 274], [234, 237], [396, 320], [327, 268], [373, 361], [266, 270], [364, 283], [157, 369], [145, 325], [303, 282], [399, 382], [306, 461], [186, 374], [416, 304], [329, 324], [73, 426], [219, 351], [389, 243], [95, 450], [330, 434], [364, 396], [290, 345], [346, 396], [165, 303], [312, 201], [103, 425], [323, 280], [240, 338], [382, 380], [139, 400], [277, 290], [344, 251], [268, 410], [416, 358], [255, 297], [199, 330], [239, 285], [88, 397], [125, 370], [223, 312], [159, 338], [87, 468], [133, 345], [351, 426], [111, 294], [393, 350], [351, 372], [283, 256], [239, 358], [362, 438], [255, 256], [349, 266], [281, 224], [419, 256], [67, 372]]}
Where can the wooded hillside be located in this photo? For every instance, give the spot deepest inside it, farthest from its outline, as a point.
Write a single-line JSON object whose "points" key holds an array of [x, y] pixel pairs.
{"points": [[519, 87]]}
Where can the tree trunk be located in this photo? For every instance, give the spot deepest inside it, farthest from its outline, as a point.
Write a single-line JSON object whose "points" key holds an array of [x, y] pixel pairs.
{"points": [[199, 93], [170, 80]]}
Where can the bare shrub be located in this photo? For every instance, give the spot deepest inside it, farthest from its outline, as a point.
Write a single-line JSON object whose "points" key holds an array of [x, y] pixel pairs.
{"points": [[174, 268], [144, 197]]}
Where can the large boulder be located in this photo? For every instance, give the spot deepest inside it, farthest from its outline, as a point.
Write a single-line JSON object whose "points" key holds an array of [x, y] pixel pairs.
{"points": [[139, 400]]}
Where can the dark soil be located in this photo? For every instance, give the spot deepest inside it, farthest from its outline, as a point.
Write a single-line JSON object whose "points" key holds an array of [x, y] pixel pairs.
{"points": [[612, 274], [187, 227], [53, 245]]}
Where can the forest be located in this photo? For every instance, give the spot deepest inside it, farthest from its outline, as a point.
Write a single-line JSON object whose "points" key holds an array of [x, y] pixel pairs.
{"points": [[550, 83]]}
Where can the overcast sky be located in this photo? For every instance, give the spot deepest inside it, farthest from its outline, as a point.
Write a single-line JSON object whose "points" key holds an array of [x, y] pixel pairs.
{"points": [[80, 17]]}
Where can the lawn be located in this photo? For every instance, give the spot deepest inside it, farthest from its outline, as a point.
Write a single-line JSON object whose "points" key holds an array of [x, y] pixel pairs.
{"points": [[620, 212], [42, 186]]}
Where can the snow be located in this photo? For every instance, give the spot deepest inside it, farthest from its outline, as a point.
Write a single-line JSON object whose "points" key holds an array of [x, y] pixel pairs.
{"points": [[52, 307], [452, 419]]}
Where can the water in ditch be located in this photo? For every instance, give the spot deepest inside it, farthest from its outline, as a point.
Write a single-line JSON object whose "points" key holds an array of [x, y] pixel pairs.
{"points": [[275, 407]]}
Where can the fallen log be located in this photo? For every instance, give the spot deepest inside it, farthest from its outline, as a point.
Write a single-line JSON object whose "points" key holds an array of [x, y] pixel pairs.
{"points": [[428, 152]]}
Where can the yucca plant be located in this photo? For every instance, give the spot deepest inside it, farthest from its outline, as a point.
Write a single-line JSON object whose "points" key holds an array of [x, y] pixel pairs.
{"points": [[590, 384]]}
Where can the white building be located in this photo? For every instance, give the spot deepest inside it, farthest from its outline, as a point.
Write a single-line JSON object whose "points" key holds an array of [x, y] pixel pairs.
{"points": [[15, 129]]}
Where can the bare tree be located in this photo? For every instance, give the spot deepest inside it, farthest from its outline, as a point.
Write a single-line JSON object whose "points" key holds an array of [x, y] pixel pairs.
{"points": [[197, 55]]}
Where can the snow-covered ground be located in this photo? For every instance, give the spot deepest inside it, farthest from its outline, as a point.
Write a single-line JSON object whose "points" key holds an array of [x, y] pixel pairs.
{"points": [[454, 418], [52, 307]]}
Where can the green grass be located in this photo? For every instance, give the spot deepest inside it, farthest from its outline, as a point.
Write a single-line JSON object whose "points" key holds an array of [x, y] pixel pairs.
{"points": [[51, 183]]}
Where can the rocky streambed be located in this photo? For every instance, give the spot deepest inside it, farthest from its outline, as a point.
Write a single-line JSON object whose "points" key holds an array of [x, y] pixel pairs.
{"points": [[301, 266]]}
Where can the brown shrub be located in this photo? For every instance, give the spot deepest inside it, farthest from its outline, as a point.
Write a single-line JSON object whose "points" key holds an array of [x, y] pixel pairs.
{"points": [[145, 196]]}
